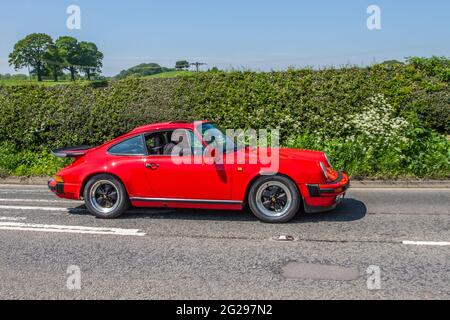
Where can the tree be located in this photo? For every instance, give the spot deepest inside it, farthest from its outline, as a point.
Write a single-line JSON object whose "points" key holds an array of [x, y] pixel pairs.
{"points": [[90, 59], [45, 72], [54, 62], [182, 65], [69, 49], [31, 52]]}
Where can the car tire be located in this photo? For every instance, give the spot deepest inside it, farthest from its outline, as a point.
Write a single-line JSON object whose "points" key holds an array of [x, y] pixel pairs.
{"points": [[274, 199], [105, 197]]}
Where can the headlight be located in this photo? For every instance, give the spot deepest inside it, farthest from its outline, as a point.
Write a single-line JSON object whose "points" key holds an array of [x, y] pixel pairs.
{"points": [[328, 160], [324, 170], [329, 173]]}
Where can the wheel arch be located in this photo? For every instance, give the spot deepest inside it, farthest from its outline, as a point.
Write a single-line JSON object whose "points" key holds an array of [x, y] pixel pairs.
{"points": [[259, 175], [90, 176]]}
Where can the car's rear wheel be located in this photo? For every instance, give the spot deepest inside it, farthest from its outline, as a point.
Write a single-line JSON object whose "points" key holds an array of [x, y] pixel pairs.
{"points": [[274, 199], [106, 197]]}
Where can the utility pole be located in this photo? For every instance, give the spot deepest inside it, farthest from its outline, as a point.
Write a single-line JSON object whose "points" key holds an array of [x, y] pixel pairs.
{"points": [[198, 64]]}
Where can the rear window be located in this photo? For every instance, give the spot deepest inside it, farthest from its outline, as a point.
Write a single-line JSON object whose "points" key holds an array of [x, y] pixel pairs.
{"points": [[131, 147]]}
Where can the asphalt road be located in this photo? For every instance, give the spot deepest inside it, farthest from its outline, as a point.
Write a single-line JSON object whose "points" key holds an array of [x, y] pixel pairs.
{"points": [[402, 235]]}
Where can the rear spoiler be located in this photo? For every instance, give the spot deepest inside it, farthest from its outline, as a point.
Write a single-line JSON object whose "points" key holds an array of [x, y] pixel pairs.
{"points": [[71, 152]]}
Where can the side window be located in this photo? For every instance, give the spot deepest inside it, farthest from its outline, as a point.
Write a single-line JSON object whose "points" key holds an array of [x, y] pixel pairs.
{"points": [[197, 146], [179, 142], [155, 143], [130, 147]]}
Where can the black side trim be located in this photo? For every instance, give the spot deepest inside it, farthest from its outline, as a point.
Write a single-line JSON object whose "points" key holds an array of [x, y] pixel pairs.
{"points": [[193, 201]]}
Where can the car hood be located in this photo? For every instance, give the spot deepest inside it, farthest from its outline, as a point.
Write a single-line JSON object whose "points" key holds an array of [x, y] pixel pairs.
{"points": [[302, 154], [289, 154]]}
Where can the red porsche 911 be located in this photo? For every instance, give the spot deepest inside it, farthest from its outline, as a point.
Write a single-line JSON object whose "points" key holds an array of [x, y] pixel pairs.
{"points": [[177, 165]]}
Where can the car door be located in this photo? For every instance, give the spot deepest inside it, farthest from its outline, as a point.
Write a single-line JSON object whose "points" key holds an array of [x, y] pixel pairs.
{"points": [[127, 161], [187, 175]]}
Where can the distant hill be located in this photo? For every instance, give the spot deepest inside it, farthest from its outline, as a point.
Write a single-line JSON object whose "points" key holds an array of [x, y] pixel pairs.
{"points": [[143, 70], [173, 74]]}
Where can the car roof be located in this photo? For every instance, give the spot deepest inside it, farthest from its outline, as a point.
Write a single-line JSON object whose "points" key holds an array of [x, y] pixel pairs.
{"points": [[153, 127], [166, 125]]}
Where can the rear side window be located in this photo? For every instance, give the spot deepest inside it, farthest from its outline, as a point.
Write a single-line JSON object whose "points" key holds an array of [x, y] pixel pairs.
{"points": [[131, 147]]}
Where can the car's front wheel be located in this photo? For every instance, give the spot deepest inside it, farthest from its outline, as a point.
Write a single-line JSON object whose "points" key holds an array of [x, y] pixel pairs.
{"points": [[274, 199], [105, 197]]}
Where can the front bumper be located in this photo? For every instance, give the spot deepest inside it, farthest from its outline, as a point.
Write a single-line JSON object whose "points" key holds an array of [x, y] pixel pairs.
{"points": [[325, 197], [334, 188]]}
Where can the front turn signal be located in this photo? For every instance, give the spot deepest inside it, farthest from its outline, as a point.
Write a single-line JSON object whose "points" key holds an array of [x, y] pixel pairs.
{"points": [[59, 179]]}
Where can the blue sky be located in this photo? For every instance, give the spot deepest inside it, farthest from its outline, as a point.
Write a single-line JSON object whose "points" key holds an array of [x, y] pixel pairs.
{"points": [[241, 34]]}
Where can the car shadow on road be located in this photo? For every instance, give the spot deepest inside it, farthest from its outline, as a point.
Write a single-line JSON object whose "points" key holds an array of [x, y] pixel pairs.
{"points": [[348, 210]]}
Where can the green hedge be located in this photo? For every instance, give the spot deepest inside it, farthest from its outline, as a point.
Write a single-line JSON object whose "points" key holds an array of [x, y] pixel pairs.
{"points": [[306, 105], [35, 117], [310, 101]]}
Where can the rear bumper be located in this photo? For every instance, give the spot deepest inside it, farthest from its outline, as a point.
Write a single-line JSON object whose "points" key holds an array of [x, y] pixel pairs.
{"points": [[54, 187], [326, 197], [64, 190]]}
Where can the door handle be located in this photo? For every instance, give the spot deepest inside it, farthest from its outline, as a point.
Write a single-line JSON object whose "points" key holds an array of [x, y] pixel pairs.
{"points": [[152, 166]]}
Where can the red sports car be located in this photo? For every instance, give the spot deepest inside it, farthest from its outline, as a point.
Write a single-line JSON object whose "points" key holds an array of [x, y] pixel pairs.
{"points": [[144, 168]]}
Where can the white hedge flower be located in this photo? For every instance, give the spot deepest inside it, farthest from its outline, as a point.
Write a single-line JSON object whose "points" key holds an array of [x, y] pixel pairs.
{"points": [[378, 122]]}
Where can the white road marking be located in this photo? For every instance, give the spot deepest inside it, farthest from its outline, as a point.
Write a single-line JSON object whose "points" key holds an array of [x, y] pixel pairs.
{"points": [[37, 200], [12, 218], [69, 229], [23, 191], [33, 208], [426, 243], [37, 186]]}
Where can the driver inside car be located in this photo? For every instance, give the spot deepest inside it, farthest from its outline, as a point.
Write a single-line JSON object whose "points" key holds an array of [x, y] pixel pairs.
{"points": [[179, 144]]}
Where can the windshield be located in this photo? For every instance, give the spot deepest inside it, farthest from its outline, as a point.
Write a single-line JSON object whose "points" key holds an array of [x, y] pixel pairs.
{"points": [[216, 138]]}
